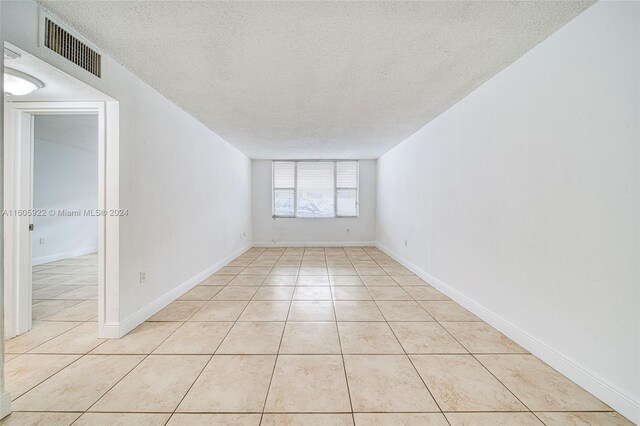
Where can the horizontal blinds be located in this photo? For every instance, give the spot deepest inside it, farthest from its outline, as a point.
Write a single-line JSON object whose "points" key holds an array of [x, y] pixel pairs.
{"points": [[284, 188], [284, 174], [315, 188], [347, 188], [347, 174]]}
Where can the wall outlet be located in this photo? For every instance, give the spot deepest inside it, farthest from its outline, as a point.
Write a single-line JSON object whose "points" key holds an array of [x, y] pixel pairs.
{"points": [[405, 243], [42, 241], [347, 230], [244, 234], [143, 277]]}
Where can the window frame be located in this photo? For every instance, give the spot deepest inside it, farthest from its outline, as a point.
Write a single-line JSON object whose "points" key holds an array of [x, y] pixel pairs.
{"points": [[273, 189], [295, 189]]}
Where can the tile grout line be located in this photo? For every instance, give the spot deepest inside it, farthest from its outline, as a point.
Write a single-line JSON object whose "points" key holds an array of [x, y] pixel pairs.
{"points": [[145, 357], [205, 365], [275, 361], [407, 355], [351, 258], [344, 364], [214, 352], [490, 372], [201, 371], [80, 355], [473, 355], [469, 353]]}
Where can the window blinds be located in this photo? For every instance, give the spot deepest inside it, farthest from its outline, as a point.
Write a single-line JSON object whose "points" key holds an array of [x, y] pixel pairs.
{"points": [[310, 189], [284, 188], [347, 188], [315, 189]]}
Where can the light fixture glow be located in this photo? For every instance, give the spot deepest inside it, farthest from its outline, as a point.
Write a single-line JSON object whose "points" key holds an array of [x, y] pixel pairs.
{"points": [[17, 83]]}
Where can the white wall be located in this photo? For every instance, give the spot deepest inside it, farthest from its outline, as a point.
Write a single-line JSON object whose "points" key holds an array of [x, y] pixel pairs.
{"points": [[65, 176], [524, 198], [188, 192], [5, 398], [327, 231]]}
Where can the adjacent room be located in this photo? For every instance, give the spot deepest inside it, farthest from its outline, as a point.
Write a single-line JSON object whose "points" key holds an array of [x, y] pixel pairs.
{"points": [[320, 213], [65, 234]]}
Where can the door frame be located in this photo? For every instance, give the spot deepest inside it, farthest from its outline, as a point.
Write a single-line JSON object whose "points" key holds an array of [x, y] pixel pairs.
{"points": [[18, 195]]}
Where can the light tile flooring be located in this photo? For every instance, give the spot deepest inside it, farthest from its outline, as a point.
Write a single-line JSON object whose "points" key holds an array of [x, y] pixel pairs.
{"points": [[292, 336], [66, 290]]}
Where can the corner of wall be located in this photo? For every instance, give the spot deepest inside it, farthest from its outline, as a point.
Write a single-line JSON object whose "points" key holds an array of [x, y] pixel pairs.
{"points": [[5, 404], [118, 330]]}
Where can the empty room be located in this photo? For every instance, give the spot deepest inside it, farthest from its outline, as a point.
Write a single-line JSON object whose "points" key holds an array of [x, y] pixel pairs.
{"points": [[320, 213]]}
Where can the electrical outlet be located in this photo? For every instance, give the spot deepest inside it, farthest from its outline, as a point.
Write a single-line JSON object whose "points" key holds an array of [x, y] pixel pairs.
{"points": [[347, 230], [244, 234], [143, 277], [405, 243], [42, 241]]}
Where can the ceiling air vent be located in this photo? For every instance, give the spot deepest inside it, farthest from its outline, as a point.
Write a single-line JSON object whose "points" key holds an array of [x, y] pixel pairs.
{"points": [[65, 44]]}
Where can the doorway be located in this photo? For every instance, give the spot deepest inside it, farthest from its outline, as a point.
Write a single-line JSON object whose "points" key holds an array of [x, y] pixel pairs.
{"points": [[61, 95], [20, 291], [64, 234]]}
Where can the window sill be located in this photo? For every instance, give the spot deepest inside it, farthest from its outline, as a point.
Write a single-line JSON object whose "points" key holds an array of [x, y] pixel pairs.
{"points": [[298, 217]]}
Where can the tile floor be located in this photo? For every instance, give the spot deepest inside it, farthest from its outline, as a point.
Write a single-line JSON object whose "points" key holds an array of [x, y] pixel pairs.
{"points": [[316, 336], [66, 290]]}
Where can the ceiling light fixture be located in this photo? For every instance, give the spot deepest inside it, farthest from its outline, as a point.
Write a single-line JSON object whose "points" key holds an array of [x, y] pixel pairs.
{"points": [[10, 54], [17, 83]]}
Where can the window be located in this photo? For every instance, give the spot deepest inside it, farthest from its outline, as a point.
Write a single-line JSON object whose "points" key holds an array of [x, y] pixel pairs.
{"points": [[315, 188], [284, 187]]}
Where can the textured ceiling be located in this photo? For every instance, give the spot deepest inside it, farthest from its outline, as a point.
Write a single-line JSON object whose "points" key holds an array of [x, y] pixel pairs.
{"points": [[78, 131], [315, 79]]}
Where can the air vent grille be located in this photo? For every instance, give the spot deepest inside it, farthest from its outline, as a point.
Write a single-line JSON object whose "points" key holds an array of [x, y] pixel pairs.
{"points": [[65, 44]]}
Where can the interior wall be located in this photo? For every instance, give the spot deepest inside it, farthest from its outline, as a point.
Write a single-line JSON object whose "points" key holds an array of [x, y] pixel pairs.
{"points": [[5, 398], [186, 190], [312, 231], [65, 177], [523, 200]]}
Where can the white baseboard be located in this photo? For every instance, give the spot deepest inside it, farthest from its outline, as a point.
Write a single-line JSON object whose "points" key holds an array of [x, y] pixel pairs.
{"points": [[5, 404], [315, 244], [110, 331], [117, 330], [60, 256], [615, 398]]}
